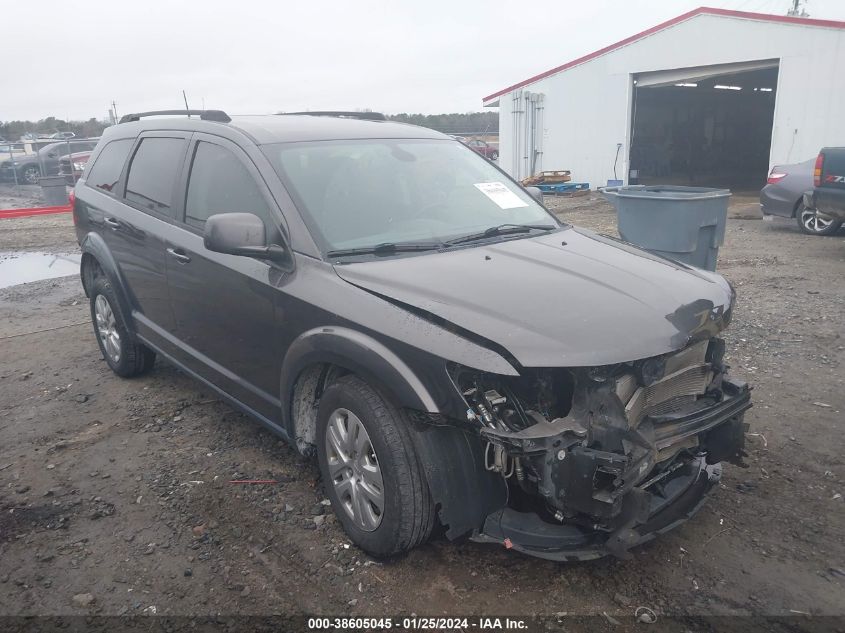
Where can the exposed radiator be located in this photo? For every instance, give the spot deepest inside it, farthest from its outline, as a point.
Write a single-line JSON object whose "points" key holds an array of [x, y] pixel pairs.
{"points": [[687, 376]]}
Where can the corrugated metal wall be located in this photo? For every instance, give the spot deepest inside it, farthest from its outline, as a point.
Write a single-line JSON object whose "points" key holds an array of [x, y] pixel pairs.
{"points": [[587, 109]]}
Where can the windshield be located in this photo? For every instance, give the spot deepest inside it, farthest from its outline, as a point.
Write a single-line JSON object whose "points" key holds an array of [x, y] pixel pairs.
{"points": [[363, 193]]}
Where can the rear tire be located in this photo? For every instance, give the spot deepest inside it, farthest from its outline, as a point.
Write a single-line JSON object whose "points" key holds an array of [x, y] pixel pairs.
{"points": [[811, 224], [125, 358], [383, 457]]}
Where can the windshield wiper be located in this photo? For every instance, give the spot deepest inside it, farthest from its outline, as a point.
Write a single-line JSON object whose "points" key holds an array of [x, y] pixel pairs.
{"points": [[386, 248], [502, 229]]}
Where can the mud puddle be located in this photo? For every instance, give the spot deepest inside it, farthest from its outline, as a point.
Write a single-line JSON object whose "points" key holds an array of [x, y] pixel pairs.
{"points": [[24, 267]]}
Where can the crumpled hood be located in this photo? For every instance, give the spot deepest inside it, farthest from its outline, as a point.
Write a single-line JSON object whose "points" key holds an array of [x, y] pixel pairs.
{"points": [[566, 299]]}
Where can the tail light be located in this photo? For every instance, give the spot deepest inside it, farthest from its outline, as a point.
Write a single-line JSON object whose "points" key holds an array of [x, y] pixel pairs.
{"points": [[71, 201], [817, 170], [775, 177]]}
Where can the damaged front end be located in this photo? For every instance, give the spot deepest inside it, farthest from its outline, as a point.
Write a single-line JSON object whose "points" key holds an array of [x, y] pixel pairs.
{"points": [[598, 460]]}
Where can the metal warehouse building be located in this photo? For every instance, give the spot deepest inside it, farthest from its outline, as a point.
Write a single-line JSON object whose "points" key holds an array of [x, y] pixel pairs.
{"points": [[712, 97]]}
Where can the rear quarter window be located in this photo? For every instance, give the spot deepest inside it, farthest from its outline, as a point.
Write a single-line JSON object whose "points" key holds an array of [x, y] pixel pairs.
{"points": [[105, 172]]}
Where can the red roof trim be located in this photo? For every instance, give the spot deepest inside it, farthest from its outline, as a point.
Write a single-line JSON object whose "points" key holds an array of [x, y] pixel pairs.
{"points": [[664, 25]]}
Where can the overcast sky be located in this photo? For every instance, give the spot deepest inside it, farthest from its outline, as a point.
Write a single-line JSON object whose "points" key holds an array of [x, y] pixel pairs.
{"points": [[70, 59]]}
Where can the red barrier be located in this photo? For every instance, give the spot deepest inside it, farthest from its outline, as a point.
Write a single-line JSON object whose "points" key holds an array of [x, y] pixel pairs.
{"points": [[25, 213]]}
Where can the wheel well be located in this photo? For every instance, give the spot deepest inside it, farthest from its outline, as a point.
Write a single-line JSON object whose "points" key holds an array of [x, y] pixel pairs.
{"points": [[309, 387], [797, 206], [307, 391], [90, 268]]}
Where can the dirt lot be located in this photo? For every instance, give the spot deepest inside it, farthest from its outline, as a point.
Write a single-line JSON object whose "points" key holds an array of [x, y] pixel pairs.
{"points": [[120, 488]]}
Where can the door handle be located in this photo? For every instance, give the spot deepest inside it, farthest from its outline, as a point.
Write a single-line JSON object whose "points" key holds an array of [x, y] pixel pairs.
{"points": [[179, 255], [112, 223]]}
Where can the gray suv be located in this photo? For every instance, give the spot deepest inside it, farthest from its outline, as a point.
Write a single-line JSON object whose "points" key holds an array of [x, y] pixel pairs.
{"points": [[390, 302]]}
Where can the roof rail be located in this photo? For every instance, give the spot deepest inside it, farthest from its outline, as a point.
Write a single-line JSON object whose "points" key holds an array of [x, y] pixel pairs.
{"points": [[366, 116], [205, 115]]}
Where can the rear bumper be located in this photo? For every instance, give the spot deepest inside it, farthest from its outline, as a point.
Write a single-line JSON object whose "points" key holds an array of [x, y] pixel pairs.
{"points": [[7, 173], [775, 201], [830, 202]]}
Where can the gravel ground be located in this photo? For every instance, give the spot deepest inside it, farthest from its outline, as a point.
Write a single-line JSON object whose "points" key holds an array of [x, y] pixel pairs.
{"points": [[20, 196], [115, 494]]}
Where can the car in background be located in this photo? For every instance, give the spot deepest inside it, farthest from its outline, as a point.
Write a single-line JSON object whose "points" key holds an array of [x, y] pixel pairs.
{"points": [[52, 153], [63, 135], [23, 169], [45, 162], [828, 195], [483, 147], [72, 166], [783, 196]]}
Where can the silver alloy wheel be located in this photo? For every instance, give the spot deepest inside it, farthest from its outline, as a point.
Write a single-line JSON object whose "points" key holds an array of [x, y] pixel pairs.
{"points": [[813, 222], [31, 175], [354, 470], [107, 327]]}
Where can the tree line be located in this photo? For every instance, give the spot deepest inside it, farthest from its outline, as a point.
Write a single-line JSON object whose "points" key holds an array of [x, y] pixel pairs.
{"points": [[468, 123], [457, 123], [14, 130]]}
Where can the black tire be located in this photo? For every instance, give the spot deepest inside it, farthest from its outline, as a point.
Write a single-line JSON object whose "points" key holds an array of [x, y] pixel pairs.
{"points": [[408, 514], [131, 359], [811, 224], [30, 174], [494, 156]]}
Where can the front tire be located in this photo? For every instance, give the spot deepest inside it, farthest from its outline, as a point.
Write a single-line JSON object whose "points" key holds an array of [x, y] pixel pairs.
{"points": [[30, 174], [811, 223], [371, 470], [125, 358]]}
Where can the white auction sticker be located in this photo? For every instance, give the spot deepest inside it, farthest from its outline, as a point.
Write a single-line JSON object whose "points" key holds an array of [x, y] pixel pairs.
{"points": [[501, 195]]}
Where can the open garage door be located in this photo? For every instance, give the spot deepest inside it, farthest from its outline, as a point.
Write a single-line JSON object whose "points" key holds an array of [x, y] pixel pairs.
{"points": [[709, 126]]}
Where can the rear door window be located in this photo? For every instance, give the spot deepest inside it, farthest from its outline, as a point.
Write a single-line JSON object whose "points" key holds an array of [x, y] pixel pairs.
{"points": [[220, 183], [153, 172], [105, 172]]}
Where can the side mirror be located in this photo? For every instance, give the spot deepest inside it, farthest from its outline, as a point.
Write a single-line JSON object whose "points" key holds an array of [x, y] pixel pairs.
{"points": [[240, 234], [536, 193], [52, 155]]}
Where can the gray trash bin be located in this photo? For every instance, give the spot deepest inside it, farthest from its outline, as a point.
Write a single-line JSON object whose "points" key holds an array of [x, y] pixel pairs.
{"points": [[55, 190], [686, 224]]}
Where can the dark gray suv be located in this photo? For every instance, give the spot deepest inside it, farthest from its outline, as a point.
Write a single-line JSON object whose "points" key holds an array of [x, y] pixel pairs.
{"points": [[392, 303]]}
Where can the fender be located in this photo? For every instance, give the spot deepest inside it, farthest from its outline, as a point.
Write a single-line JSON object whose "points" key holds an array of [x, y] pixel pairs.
{"points": [[453, 460], [95, 246], [359, 353]]}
